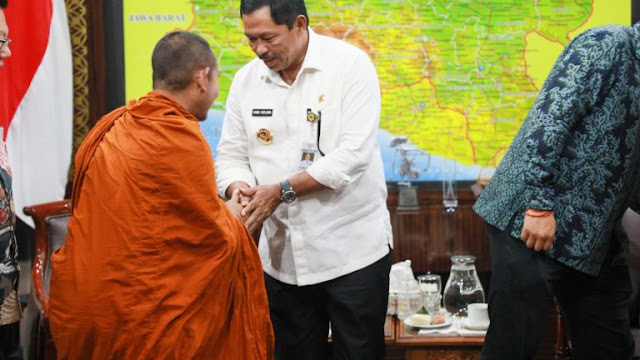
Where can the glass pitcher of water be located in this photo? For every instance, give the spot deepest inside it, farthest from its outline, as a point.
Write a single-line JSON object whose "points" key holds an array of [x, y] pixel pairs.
{"points": [[463, 286]]}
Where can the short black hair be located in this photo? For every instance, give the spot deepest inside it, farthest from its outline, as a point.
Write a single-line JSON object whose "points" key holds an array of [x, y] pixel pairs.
{"points": [[177, 56], [282, 11], [3, 4]]}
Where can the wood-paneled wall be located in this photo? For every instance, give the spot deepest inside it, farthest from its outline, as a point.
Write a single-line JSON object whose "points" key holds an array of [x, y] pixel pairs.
{"points": [[430, 236]]}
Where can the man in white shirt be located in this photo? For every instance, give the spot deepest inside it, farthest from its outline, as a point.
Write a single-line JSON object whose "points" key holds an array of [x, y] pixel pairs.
{"points": [[326, 233]]}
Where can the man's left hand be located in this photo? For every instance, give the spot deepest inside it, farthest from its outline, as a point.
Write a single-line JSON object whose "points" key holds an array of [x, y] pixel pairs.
{"points": [[264, 201], [538, 230]]}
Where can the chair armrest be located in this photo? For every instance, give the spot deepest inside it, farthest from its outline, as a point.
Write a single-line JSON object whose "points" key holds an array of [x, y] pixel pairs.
{"points": [[39, 213]]}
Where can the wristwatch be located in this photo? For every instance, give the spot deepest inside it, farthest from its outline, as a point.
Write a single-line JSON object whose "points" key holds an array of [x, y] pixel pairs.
{"points": [[287, 194]]}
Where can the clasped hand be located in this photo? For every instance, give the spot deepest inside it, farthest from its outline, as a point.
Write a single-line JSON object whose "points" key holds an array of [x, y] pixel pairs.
{"points": [[255, 204]]}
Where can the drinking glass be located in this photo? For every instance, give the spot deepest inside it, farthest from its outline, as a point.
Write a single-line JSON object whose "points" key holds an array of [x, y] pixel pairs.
{"points": [[430, 286]]}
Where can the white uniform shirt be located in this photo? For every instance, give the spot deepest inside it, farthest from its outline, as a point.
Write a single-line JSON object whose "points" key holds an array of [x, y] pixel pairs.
{"points": [[329, 233]]}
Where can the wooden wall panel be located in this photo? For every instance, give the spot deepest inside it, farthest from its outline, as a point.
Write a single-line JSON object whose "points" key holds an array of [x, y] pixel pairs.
{"points": [[429, 236]]}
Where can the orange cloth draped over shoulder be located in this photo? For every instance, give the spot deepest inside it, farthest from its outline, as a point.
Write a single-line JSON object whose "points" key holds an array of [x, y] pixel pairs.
{"points": [[155, 266]]}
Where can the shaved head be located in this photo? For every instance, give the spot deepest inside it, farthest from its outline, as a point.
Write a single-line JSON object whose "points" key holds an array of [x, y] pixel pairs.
{"points": [[176, 57]]}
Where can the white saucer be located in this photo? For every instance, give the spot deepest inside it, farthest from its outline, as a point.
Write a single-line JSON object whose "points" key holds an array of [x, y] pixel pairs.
{"points": [[470, 326]]}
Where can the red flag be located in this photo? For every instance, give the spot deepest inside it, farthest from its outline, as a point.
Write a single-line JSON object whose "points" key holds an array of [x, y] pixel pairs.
{"points": [[36, 100]]}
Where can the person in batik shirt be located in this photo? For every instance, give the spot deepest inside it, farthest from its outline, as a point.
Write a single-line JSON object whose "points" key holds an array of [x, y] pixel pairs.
{"points": [[554, 206], [10, 311]]}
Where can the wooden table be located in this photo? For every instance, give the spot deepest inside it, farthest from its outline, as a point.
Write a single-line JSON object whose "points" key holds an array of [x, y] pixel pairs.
{"points": [[390, 330], [409, 345]]}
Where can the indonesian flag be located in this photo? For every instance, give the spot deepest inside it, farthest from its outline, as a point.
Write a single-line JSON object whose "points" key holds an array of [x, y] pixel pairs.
{"points": [[36, 101]]}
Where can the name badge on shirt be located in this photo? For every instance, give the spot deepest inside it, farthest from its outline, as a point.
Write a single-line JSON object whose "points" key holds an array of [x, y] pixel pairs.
{"points": [[262, 112], [308, 155]]}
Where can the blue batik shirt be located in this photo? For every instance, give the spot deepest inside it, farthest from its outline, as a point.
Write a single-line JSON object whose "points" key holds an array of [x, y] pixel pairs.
{"points": [[578, 151]]}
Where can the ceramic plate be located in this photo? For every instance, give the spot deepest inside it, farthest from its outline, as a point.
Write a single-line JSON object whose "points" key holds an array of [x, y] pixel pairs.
{"points": [[447, 322]]}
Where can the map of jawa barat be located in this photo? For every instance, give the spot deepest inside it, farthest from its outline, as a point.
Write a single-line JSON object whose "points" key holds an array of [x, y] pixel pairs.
{"points": [[458, 77]]}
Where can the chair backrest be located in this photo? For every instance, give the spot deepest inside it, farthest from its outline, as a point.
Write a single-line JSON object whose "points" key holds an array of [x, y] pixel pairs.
{"points": [[56, 235], [51, 230]]}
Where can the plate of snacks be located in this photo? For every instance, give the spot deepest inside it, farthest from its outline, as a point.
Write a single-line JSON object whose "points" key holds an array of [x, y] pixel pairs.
{"points": [[426, 321]]}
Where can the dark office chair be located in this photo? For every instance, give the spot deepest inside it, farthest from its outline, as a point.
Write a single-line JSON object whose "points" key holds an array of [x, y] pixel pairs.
{"points": [[51, 230]]}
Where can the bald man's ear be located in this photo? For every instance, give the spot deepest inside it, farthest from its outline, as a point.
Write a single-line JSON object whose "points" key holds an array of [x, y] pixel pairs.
{"points": [[201, 77]]}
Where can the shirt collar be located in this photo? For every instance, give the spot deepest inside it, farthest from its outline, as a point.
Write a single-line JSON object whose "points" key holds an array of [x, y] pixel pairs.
{"points": [[313, 60]]}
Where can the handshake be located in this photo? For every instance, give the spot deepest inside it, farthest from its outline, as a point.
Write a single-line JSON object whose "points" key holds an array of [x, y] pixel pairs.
{"points": [[254, 205]]}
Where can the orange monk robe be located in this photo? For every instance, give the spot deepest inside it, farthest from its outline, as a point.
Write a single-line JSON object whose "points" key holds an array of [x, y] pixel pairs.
{"points": [[154, 265]]}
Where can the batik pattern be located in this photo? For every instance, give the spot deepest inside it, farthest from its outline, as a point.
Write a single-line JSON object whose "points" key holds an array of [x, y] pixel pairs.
{"points": [[578, 150]]}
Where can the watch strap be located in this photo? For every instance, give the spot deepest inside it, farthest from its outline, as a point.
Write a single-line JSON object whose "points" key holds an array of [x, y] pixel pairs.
{"points": [[285, 186], [287, 194]]}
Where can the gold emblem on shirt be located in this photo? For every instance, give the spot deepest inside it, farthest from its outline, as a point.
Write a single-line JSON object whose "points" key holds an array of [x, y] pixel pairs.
{"points": [[265, 136], [312, 117]]}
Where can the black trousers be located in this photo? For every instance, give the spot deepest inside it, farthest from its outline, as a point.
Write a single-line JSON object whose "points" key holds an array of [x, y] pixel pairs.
{"points": [[523, 281], [9, 341], [355, 304]]}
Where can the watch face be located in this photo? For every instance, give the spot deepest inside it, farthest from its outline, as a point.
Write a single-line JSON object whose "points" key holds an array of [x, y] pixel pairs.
{"points": [[289, 196]]}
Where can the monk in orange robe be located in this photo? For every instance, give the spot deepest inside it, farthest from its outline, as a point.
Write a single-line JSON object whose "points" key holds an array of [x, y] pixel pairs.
{"points": [[155, 265]]}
